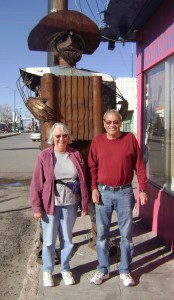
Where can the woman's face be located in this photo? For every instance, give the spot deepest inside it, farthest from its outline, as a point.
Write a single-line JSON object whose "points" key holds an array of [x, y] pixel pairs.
{"points": [[60, 139]]}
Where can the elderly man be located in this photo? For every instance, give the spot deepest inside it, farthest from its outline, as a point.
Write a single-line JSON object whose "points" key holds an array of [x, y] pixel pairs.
{"points": [[113, 158]]}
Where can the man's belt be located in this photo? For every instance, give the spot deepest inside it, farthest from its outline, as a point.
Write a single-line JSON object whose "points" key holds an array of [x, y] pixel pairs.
{"points": [[115, 188]]}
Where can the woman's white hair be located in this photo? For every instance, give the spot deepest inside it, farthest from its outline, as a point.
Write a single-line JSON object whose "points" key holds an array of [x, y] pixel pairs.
{"points": [[50, 139], [113, 111]]}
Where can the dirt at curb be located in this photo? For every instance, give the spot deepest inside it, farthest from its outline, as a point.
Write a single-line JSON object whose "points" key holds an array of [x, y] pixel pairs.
{"points": [[17, 231]]}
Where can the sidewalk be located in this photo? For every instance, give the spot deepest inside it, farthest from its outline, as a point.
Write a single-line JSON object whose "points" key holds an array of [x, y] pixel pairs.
{"points": [[152, 269]]}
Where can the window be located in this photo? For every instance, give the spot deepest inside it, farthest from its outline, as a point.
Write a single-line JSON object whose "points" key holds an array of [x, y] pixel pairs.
{"points": [[159, 124]]}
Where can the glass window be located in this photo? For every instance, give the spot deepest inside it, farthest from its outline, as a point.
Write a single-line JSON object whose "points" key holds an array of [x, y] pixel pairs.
{"points": [[159, 124]]}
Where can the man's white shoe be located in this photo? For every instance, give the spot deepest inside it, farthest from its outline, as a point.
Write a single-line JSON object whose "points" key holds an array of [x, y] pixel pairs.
{"points": [[68, 278], [127, 279], [48, 279], [99, 277]]}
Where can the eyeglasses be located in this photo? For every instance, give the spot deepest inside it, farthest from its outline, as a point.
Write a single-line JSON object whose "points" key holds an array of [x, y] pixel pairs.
{"points": [[64, 136], [116, 122]]}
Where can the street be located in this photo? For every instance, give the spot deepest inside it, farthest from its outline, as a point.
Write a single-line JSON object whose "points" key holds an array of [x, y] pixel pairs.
{"points": [[17, 225], [17, 155]]}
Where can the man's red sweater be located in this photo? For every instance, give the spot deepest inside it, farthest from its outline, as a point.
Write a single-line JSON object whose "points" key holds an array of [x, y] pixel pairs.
{"points": [[113, 162]]}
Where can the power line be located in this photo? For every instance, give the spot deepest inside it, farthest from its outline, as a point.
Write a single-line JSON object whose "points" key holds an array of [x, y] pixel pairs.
{"points": [[91, 11], [79, 8], [98, 11]]}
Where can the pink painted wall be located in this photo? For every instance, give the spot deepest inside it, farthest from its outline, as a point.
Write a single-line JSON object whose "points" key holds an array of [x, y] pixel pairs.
{"points": [[159, 214], [155, 42]]}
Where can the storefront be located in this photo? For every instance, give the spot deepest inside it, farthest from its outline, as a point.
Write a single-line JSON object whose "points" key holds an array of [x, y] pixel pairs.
{"points": [[155, 79]]}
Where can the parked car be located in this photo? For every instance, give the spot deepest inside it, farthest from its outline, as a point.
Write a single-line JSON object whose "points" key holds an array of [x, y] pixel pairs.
{"points": [[35, 136]]}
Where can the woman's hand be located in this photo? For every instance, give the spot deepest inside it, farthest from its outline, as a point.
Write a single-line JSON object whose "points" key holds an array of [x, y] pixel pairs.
{"points": [[84, 213], [38, 216]]}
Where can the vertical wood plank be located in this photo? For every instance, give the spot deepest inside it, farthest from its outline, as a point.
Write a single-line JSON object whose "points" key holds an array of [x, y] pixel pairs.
{"points": [[48, 91], [62, 98], [86, 108], [74, 107], [97, 105], [80, 108], [68, 101], [90, 105]]}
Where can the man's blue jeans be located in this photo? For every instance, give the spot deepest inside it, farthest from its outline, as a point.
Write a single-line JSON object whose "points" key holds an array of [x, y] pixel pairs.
{"points": [[61, 223], [122, 202]]}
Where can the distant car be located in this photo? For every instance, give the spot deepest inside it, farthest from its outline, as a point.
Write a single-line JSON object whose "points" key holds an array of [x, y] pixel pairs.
{"points": [[20, 129], [35, 136]]}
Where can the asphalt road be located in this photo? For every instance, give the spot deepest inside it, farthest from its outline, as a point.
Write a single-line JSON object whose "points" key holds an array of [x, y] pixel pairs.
{"points": [[17, 225], [17, 156]]}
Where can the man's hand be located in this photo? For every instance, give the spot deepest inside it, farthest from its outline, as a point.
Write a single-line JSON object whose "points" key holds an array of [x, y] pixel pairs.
{"points": [[95, 196], [38, 216], [143, 198]]}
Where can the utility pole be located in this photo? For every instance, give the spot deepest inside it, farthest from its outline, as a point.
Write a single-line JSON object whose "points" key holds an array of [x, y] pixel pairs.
{"points": [[53, 6]]}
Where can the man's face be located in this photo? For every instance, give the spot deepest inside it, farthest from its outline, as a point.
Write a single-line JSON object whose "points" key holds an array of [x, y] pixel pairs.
{"points": [[112, 125], [67, 45]]}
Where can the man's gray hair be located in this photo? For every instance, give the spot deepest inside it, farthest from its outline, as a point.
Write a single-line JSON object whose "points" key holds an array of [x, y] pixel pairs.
{"points": [[50, 139], [113, 111]]}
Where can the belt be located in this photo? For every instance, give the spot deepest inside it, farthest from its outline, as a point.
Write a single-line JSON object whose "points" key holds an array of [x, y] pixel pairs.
{"points": [[115, 188]]}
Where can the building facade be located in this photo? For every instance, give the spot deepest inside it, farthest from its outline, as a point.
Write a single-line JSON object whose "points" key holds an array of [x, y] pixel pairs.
{"points": [[155, 80]]}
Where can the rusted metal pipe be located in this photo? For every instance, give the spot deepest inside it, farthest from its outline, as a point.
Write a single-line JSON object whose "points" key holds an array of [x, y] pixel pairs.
{"points": [[55, 5]]}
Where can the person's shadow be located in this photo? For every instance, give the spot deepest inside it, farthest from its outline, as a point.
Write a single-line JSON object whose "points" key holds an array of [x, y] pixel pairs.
{"points": [[148, 255]]}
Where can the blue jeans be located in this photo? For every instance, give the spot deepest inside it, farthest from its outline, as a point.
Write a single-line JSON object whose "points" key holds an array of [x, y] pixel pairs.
{"points": [[61, 224], [122, 202]]}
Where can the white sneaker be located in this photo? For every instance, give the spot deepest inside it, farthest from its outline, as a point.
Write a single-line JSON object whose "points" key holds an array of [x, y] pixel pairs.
{"points": [[99, 277], [68, 278], [48, 279], [127, 279]]}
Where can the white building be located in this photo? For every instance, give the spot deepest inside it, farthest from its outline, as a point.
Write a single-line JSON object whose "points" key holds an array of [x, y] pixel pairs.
{"points": [[128, 88]]}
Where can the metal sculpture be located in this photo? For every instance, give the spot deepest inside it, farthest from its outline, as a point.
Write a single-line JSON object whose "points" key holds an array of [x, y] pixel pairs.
{"points": [[69, 35]]}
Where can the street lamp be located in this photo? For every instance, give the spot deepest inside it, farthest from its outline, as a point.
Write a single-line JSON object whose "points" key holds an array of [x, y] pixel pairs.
{"points": [[21, 125], [14, 106]]}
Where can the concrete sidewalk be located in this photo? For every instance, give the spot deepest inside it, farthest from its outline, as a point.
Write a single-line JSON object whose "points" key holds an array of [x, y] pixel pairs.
{"points": [[152, 269]]}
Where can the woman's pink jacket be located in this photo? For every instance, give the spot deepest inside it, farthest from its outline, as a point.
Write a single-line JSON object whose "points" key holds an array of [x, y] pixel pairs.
{"points": [[42, 183]]}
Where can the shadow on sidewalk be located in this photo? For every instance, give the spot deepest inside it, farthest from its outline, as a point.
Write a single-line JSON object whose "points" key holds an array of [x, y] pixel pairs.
{"points": [[150, 253]]}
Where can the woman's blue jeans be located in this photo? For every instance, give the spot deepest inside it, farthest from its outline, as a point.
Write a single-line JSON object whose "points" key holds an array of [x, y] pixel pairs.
{"points": [[61, 224], [122, 201]]}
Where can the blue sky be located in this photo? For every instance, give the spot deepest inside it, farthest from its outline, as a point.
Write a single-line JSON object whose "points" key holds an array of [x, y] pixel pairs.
{"points": [[19, 17]]}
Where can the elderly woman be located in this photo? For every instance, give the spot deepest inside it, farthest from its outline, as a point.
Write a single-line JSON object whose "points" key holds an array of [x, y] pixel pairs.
{"points": [[54, 200]]}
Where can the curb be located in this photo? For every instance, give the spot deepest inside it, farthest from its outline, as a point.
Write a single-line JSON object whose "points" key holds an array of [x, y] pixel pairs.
{"points": [[5, 135], [31, 280]]}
